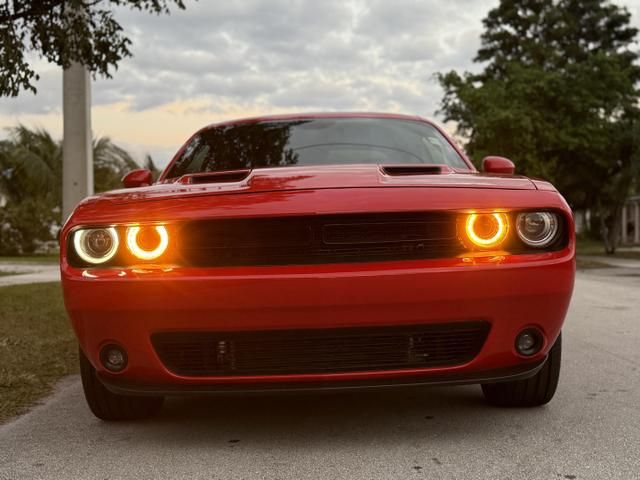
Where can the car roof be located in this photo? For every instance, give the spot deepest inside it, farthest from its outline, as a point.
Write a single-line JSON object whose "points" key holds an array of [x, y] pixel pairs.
{"points": [[312, 115]]}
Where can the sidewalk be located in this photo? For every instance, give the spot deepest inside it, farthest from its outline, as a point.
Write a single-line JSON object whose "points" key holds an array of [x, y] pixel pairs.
{"points": [[29, 273]]}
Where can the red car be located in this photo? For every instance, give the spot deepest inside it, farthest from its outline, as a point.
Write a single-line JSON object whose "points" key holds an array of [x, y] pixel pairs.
{"points": [[321, 251]]}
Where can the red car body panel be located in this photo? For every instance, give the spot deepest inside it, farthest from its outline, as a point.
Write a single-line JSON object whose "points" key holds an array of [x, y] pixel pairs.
{"points": [[318, 178], [126, 305]]}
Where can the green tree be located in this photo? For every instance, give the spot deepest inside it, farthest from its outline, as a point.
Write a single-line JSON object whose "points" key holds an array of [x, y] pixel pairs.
{"points": [[110, 164], [63, 32], [30, 173], [559, 95], [24, 225], [31, 166], [31, 181]]}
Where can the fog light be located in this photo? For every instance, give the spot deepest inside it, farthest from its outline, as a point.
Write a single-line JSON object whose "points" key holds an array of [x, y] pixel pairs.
{"points": [[114, 358], [529, 342]]}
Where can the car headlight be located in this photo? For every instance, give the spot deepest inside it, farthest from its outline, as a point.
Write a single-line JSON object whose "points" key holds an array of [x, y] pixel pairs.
{"points": [[487, 230], [537, 229], [147, 242], [96, 245]]}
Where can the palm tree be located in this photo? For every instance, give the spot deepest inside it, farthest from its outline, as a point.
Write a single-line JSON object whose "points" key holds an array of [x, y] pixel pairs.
{"points": [[31, 166], [30, 172], [31, 183], [150, 165], [6, 171], [110, 164]]}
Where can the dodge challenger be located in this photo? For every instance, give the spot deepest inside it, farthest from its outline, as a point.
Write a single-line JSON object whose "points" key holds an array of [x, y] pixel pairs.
{"points": [[319, 251]]}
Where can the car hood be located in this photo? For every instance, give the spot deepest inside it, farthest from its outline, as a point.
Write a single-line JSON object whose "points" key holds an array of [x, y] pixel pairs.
{"points": [[325, 177]]}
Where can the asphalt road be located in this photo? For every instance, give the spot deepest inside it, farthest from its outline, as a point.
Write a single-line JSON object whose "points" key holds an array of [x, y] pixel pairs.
{"points": [[591, 430]]}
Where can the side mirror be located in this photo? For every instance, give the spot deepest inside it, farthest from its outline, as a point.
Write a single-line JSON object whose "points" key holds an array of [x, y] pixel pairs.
{"points": [[137, 178], [498, 165]]}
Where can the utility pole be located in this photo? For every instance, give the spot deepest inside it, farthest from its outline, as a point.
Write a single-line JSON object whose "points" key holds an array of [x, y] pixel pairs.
{"points": [[77, 158]]}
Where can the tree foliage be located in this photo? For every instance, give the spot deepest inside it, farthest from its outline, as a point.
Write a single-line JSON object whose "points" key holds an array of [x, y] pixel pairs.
{"points": [[31, 184], [24, 225], [558, 94], [63, 32]]}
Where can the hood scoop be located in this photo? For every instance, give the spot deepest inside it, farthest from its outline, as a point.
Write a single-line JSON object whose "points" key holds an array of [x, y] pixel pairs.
{"points": [[315, 178], [230, 176], [409, 170]]}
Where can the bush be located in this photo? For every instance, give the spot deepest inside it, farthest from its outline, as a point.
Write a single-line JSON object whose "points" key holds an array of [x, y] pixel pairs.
{"points": [[9, 236], [25, 225]]}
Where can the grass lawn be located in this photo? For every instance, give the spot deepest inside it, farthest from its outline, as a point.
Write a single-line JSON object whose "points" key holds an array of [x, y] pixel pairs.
{"points": [[594, 247], [37, 345], [4, 273], [587, 246], [585, 263], [55, 258]]}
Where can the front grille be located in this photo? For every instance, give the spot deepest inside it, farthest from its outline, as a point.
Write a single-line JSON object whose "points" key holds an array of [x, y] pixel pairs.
{"points": [[320, 351], [319, 239]]}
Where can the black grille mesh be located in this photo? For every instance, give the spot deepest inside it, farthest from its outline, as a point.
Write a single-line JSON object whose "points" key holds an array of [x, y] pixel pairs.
{"points": [[320, 351], [319, 239]]}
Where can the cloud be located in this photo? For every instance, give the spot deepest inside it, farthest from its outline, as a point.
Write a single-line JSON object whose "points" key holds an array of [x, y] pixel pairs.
{"points": [[257, 50]]}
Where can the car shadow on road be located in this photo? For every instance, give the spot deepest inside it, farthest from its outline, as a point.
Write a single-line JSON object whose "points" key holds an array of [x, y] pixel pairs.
{"points": [[359, 417]]}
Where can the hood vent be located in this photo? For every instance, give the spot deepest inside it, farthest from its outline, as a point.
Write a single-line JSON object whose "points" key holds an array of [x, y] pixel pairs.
{"points": [[215, 177], [406, 170]]}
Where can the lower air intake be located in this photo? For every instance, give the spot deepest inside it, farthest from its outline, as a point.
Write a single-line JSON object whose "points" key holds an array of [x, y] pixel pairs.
{"points": [[278, 352]]}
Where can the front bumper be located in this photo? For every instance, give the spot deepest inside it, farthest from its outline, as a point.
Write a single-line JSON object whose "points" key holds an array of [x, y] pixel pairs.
{"points": [[519, 372], [127, 306]]}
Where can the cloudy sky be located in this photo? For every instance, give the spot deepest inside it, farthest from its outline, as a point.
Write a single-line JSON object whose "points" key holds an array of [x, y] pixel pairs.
{"points": [[227, 59]]}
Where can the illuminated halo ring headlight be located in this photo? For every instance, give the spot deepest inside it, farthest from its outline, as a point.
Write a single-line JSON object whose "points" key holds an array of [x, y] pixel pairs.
{"points": [[537, 229], [96, 245], [487, 230], [152, 246]]}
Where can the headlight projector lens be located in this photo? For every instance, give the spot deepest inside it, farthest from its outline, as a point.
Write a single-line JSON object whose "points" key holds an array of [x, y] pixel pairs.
{"points": [[537, 229], [96, 245]]}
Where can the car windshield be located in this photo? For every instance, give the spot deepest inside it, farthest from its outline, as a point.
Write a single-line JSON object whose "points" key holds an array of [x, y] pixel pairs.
{"points": [[321, 141]]}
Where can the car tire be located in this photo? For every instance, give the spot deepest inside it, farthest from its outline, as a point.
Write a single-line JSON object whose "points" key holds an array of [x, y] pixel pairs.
{"points": [[110, 406], [530, 392]]}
